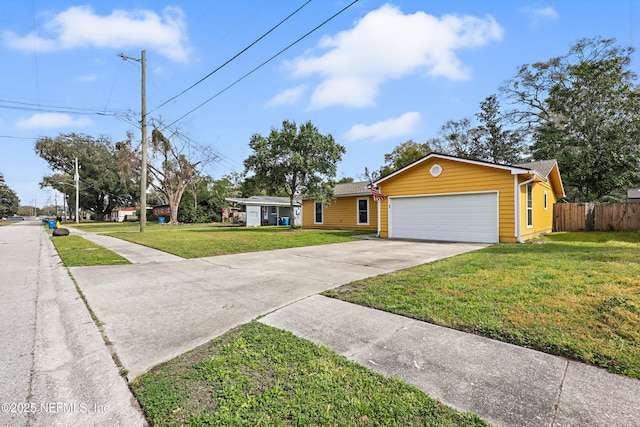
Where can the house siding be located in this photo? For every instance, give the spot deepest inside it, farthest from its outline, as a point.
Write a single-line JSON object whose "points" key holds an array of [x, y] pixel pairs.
{"points": [[542, 219], [456, 177], [341, 213]]}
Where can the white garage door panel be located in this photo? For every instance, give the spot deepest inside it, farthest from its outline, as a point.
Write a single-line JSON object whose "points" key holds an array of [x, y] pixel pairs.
{"points": [[455, 218]]}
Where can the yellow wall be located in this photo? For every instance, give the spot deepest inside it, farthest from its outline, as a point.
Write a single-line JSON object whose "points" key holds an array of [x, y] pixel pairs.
{"points": [[542, 219], [456, 177], [341, 213]]}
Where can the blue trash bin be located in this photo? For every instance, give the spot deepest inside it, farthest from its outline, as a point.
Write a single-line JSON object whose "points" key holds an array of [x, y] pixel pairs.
{"points": [[161, 220], [52, 224], [285, 220]]}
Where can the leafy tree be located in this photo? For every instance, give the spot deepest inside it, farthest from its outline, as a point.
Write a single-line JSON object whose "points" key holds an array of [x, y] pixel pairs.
{"points": [[345, 180], [496, 143], [29, 211], [102, 184], [403, 155], [490, 140], [458, 138], [9, 202], [299, 160], [204, 200], [583, 109]]}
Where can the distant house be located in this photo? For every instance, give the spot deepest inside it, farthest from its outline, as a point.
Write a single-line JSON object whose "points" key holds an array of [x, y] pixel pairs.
{"points": [[267, 210], [633, 195], [161, 211], [123, 214], [353, 208]]}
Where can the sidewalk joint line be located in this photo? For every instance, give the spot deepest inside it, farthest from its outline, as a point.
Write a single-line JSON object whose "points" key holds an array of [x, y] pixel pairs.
{"points": [[556, 407]]}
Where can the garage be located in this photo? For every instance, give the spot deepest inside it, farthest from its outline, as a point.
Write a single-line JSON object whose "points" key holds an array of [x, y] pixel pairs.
{"points": [[467, 217]]}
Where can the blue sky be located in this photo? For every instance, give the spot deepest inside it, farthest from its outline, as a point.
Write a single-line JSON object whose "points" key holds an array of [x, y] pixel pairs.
{"points": [[377, 75]]}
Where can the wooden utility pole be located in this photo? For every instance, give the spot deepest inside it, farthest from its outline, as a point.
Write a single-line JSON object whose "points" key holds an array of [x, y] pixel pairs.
{"points": [[143, 125], [76, 178]]}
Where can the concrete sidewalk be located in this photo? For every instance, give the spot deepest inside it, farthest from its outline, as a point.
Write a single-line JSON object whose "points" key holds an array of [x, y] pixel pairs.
{"points": [[137, 254], [502, 383]]}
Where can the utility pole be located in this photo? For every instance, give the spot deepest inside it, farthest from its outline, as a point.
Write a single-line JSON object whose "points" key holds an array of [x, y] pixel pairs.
{"points": [[143, 124], [64, 201], [76, 178]]}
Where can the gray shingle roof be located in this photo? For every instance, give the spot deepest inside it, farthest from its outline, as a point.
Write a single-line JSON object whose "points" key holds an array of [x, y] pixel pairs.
{"points": [[352, 189], [263, 201], [543, 167]]}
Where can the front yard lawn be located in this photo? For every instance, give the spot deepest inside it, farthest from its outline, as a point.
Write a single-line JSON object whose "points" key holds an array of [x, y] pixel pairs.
{"points": [[203, 241], [570, 294], [257, 375]]}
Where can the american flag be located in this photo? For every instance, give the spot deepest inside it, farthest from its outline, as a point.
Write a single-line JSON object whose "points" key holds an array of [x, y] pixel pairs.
{"points": [[376, 194]]}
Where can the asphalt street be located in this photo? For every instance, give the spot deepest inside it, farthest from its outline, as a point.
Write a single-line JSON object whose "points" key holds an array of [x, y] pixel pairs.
{"points": [[55, 369]]}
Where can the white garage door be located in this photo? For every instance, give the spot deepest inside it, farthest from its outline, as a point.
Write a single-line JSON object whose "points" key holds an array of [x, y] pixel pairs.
{"points": [[454, 218]]}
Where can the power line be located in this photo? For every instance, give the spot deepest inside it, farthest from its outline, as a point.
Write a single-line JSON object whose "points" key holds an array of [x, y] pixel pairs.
{"points": [[262, 65], [232, 58], [16, 105], [17, 137]]}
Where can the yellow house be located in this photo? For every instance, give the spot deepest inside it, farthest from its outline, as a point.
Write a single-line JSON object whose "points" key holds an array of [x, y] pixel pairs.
{"points": [[447, 198], [353, 208]]}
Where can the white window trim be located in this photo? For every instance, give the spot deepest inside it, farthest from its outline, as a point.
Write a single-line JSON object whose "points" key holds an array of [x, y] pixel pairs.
{"points": [[366, 199], [546, 200], [315, 205], [529, 200]]}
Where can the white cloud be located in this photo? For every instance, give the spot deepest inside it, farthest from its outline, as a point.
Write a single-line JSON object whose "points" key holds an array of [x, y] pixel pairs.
{"points": [[80, 27], [386, 129], [287, 97], [51, 121], [387, 44], [541, 14], [88, 78]]}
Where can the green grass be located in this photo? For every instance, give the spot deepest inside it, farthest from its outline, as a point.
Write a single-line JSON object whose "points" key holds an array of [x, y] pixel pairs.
{"points": [[570, 294], [203, 240], [198, 242], [257, 375], [76, 251]]}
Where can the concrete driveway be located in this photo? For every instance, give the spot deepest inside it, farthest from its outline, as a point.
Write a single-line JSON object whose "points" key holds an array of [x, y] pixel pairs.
{"points": [[155, 311]]}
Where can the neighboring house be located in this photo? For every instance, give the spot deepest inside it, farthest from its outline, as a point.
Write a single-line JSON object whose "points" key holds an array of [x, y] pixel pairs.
{"points": [[161, 211], [353, 208], [267, 210], [633, 195], [123, 214], [442, 197]]}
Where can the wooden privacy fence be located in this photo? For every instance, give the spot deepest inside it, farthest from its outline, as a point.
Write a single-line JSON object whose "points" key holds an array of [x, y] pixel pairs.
{"points": [[595, 217]]}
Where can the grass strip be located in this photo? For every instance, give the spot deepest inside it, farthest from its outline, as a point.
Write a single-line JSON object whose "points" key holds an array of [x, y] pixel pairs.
{"points": [[76, 251], [571, 294], [257, 375]]}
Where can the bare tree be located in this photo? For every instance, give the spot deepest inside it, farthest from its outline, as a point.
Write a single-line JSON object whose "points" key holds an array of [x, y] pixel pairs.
{"points": [[174, 164]]}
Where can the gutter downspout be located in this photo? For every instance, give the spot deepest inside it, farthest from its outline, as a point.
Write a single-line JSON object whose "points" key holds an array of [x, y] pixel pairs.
{"points": [[519, 209], [378, 231]]}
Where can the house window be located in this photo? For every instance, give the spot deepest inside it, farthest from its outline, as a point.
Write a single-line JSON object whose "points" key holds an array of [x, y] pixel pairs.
{"points": [[546, 203], [318, 213], [363, 211], [529, 206]]}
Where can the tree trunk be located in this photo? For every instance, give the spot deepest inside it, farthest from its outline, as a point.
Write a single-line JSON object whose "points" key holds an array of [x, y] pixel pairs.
{"points": [[292, 215]]}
